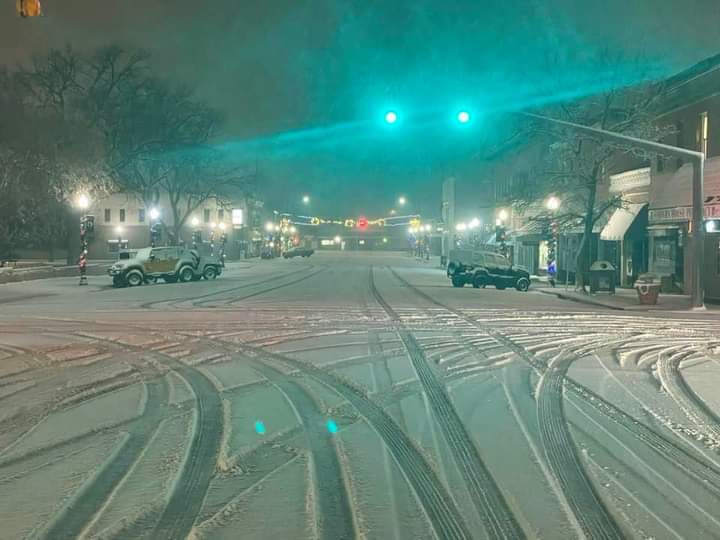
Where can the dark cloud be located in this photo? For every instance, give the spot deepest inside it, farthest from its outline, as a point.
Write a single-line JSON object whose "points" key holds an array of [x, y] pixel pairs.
{"points": [[295, 66]]}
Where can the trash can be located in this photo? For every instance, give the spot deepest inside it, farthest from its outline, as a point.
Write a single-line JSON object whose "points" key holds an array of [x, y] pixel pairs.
{"points": [[602, 277], [648, 289]]}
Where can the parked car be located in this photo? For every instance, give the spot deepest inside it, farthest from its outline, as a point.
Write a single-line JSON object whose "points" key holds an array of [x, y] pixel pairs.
{"points": [[483, 268], [298, 252], [172, 264]]}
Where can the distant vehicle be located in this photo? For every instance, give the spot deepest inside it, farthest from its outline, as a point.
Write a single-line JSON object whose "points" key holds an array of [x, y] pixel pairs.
{"points": [[482, 268], [298, 252], [172, 264]]}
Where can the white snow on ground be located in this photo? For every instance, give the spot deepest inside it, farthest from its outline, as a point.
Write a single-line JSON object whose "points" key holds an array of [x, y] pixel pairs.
{"points": [[262, 403], [232, 373], [148, 482], [274, 508], [40, 488], [384, 505], [108, 409]]}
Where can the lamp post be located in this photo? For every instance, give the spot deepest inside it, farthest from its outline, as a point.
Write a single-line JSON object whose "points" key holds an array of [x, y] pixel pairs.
{"points": [[553, 205], [87, 226]]}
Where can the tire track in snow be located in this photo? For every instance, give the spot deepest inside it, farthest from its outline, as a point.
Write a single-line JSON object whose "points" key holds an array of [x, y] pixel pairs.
{"points": [[175, 302], [186, 500], [83, 508], [562, 456], [689, 402], [675, 454], [334, 515], [486, 495], [434, 499], [274, 288]]}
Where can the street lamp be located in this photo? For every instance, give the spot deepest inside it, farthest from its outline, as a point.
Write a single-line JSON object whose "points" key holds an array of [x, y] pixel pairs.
{"points": [[83, 201], [463, 117], [306, 199], [552, 203], [154, 213], [195, 221], [269, 226], [503, 215], [402, 201]]}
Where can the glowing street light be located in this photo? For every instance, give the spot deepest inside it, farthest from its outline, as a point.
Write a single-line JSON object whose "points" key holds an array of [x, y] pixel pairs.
{"points": [[119, 230], [463, 117], [503, 215], [402, 201], [269, 226], [306, 199], [460, 227], [293, 229], [428, 227], [337, 239], [195, 221], [474, 223], [154, 213], [552, 203], [83, 201], [221, 226], [391, 117]]}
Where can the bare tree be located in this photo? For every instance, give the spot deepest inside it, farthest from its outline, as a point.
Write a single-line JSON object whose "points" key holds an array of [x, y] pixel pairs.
{"points": [[199, 176], [576, 164]]}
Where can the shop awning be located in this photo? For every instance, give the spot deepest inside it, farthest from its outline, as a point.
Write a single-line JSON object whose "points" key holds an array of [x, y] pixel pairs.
{"points": [[620, 222]]}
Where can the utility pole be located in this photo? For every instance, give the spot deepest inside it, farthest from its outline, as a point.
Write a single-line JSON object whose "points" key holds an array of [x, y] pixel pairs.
{"points": [[697, 292]]}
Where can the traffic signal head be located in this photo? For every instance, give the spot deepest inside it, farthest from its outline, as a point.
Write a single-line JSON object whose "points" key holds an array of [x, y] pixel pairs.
{"points": [[28, 8]]}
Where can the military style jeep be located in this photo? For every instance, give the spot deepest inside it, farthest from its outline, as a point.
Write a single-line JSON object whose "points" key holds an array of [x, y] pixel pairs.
{"points": [[172, 264]]}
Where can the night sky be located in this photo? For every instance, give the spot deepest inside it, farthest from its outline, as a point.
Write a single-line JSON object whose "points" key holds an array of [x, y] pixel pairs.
{"points": [[304, 84]]}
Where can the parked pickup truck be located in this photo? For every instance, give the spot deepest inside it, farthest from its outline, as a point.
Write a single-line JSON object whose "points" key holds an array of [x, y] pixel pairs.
{"points": [[172, 264], [482, 268]]}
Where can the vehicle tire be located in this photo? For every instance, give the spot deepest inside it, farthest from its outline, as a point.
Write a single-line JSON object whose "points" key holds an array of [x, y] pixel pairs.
{"points": [[479, 281], [210, 273], [170, 279], [186, 274], [523, 284], [457, 282], [134, 278]]}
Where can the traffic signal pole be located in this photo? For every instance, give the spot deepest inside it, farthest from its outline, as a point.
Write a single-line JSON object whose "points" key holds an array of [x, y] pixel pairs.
{"points": [[697, 292]]}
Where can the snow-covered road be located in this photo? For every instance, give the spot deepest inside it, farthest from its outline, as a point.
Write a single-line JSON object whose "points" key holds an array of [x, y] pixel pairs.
{"points": [[351, 396]]}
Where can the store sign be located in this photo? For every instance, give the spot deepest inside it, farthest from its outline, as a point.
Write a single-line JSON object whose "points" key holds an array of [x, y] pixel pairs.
{"points": [[630, 180], [681, 213]]}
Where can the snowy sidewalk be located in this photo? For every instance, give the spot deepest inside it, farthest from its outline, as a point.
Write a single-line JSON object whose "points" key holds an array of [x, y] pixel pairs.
{"points": [[623, 299]]}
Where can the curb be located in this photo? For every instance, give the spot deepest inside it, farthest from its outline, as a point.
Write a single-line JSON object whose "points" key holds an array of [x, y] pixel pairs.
{"points": [[588, 301], [13, 275]]}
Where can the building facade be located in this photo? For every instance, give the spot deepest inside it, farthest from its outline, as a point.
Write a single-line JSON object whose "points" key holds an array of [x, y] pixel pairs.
{"points": [[124, 221]]}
